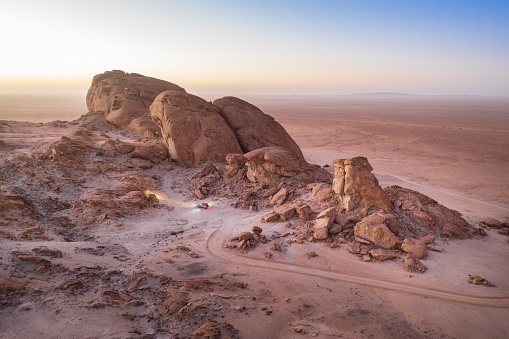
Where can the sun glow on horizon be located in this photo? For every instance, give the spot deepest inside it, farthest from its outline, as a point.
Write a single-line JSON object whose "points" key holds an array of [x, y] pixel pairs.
{"points": [[263, 47]]}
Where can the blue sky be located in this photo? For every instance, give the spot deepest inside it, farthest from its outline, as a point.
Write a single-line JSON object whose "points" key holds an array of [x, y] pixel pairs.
{"points": [[261, 47]]}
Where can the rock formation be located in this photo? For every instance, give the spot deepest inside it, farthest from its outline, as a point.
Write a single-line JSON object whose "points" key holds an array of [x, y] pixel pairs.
{"points": [[420, 215], [194, 130], [357, 188], [123, 97], [253, 128]]}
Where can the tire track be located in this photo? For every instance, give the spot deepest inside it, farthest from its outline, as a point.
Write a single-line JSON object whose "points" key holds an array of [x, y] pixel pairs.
{"points": [[217, 239]]}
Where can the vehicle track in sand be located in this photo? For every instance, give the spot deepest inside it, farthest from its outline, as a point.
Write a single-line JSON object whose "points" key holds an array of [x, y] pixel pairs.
{"points": [[217, 239]]}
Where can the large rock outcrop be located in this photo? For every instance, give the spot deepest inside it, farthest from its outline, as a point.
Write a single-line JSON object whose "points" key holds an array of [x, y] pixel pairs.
{"points": [[124, 97], [420, 215], [253, 128], [357, 188], [266, 165], [193, 129]]}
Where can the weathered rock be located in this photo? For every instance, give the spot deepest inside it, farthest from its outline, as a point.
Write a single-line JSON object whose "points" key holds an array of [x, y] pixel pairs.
{"points": [[304, 212], [234, 162], [325, 218], [257, 230], [373, 229], [478, 280], [279, 198], [253, 128], [266, 165], [354, 248], [54, 253], [414, 265], [335, 229], [270, 217], [68, 151], [155, 153], [193, 129], [383, 254], [452, 230], [428, 239], [245, 236], [285, 211], [320, 233], [414, 247], [123, 96], [357, 188], [325, 195], [426, 215], [493, 223], [123, 147], [145, 126]]}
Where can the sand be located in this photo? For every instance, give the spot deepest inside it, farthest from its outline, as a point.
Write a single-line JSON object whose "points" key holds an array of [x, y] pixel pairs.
{"points": [[454, 150]]}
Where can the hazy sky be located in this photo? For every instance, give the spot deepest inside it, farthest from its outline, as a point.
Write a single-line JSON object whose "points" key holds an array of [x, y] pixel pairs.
{"points": [[260, 47]]}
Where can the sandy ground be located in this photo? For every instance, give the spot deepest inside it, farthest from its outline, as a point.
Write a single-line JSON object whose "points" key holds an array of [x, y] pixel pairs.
{"points": [[158, 251]]}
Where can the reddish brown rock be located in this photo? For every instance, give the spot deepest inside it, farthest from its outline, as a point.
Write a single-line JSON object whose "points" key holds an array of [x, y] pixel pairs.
{"points": [[123, 97], [335, 229], [414, 265], [304, 212], [155, 153], [381, 254], [253, 128], [193, 129], [452, 230], [414, 247], [320, 233], [325, 218], [357, 188], [279, 198], [270, 217], [266, 165], [245, 236], [257, 230], [426, 214], [285, 211], [428, 239], [373, 229], [493, 223]]}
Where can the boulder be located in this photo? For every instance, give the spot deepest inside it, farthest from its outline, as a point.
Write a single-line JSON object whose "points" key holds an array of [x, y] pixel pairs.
{"points": [[193, 129], [123, 97], [428, 239], [245, 236], [325, 218], [452, 230], [356, 187], [155, 153], [425, 215], [304, 212], [279, 198], [381, 254], [335, 229], [493, 223], [285, 211], [253, 128], [373, 229], [270, 217], [414, 247], [257, 230], [414, 265], [266, 165], [145, 126], [320, 233]]}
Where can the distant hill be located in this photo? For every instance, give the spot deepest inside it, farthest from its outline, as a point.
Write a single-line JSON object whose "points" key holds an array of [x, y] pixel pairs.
{"points": [[387, 94]]}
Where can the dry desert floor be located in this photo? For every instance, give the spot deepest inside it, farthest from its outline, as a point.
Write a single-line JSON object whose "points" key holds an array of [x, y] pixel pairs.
{"points": [[164, 272]]}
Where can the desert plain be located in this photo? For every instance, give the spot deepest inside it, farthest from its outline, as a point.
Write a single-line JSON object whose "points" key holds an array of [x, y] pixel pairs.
{"points": [[165, 269]]}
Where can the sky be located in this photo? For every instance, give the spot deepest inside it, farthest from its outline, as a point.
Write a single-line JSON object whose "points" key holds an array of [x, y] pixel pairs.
{"points": [[260, 47]]}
